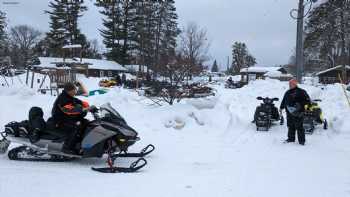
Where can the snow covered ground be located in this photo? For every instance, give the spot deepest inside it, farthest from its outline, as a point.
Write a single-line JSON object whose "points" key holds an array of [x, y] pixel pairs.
{"points": [[205, 147]]}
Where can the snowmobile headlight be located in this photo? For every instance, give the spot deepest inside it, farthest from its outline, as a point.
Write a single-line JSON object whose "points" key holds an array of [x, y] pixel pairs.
{"points": [[122, 140]]}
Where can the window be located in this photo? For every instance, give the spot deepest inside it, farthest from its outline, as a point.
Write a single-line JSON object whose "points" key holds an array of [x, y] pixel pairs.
{"points": [[101, 73], [110, 73]]}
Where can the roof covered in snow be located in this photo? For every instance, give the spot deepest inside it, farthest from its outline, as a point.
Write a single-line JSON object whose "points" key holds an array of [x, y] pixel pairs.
{"points": [[135, 68], [260, 69], [72, 46], [51, 62], [277, 74], [331, 69]]}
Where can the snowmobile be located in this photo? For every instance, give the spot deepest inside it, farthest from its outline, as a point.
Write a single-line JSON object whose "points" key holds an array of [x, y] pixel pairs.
{"points": [[233, 84], [107, 134], [266, 114], [313, 116]]}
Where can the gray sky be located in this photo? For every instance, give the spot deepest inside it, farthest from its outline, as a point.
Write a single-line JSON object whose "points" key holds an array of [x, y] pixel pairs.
{"points": [[265, 25]]}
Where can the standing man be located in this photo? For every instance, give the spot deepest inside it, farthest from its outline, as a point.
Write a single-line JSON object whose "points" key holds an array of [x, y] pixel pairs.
{"points": [[294, 101]]}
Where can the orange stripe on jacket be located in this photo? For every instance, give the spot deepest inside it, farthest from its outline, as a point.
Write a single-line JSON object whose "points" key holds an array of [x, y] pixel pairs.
{"points": [[71, 110]]}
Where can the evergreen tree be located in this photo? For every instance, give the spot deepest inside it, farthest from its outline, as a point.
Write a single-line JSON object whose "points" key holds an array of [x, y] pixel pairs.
{"points": [[56, 36], [215, 67], [2, 26], [2, 33], [145, 29], [74, 10], [167, 32], [112, 32], [138, 31], [328, 34], [64, 15], [250, 60], [241, 57]]}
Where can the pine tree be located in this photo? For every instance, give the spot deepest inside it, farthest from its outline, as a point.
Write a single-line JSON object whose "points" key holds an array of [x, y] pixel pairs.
{"points": [[142, 31], [74, 10], [328, 33], [112, 31], [215, 67], [56, 35], [241, 57], [2, 32], [250, 60], [138, 31], [2, 26], [167, 32], [64, 15]]}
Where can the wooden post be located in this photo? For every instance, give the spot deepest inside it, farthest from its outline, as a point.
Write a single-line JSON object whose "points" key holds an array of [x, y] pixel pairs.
{"points": [[42, 82], [344, 89], [8, 85], [32, 83], [27, 77], [137, 80]]}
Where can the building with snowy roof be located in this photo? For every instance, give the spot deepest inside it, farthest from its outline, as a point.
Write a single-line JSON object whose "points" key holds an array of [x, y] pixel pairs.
{"points": [[89, 67], [262, 72], [62, 70], [338, 74]]}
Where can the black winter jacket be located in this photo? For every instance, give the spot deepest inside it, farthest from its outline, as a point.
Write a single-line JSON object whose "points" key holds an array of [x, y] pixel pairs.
{"points": [[296, 97], [67, 109]]}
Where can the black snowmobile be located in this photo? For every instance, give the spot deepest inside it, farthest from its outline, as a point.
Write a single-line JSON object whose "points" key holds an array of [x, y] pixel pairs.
{"points": [[107, 134], [266, 114], [230, 84], [313, 116]]}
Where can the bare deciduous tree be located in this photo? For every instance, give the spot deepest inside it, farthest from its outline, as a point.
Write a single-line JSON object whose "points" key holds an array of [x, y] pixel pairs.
{"points": [[194, 47], [23, 39]]}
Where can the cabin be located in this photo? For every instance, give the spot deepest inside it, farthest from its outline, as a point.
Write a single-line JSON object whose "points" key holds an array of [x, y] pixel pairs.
{"points": [[262, 72], [62, 70], [338, 74]]}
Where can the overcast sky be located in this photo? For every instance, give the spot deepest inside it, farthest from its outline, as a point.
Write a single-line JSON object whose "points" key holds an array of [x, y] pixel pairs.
{"points": [[265, 25]]}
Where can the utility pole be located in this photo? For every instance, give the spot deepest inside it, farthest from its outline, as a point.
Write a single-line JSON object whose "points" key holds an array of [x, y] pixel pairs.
{"points": [[300, 42], [300, 34], [228, 64]]}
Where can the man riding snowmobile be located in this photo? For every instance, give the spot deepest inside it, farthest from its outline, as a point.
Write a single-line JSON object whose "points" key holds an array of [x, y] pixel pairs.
{"points": [[294, 101], [68, 115]]}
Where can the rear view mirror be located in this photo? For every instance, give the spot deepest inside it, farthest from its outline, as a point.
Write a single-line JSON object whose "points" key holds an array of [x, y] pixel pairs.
{"points": [[275, 99], [317, 100], [259, 98]]}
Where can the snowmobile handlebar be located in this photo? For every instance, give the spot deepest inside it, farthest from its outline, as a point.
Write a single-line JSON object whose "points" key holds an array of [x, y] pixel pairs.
{"points": [[94, 111], [267, 99]]}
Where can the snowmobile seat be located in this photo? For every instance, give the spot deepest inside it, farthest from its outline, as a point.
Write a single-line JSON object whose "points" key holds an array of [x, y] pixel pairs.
{"points": [[51, 133]]}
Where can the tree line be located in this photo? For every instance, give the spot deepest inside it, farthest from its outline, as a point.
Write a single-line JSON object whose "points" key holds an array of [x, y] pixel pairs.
{"points": [[134, 32], [327, 35]]}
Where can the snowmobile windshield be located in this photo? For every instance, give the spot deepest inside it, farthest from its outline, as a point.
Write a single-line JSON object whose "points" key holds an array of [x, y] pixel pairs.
{"points": [[108, 111]]}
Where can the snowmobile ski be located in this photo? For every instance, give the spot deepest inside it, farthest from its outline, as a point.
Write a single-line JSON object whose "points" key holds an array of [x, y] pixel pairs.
{"points": [[143, 153], [134, 167]]}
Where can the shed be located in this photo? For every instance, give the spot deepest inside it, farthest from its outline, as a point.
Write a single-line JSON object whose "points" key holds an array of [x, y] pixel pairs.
{"points": [[259, 72], [89, 67], [331, 76]]}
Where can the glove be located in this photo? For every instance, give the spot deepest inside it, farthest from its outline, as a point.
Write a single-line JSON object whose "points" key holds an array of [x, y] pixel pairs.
{"points": [[93, 109], [85, 105]]}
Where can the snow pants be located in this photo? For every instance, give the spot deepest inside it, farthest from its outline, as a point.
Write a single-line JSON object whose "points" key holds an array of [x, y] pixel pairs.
{"points": [[295, 124]]}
